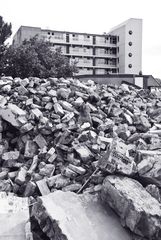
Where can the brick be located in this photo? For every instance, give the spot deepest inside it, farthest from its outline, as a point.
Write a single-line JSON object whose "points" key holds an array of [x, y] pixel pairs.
{"points": [[79, 170], [30, 149], [37, 113], [40, 140], [58, 109], [43, 188]]}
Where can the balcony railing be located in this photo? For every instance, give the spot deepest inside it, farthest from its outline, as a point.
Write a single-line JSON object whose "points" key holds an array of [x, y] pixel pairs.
{"points": [[105, 66]]}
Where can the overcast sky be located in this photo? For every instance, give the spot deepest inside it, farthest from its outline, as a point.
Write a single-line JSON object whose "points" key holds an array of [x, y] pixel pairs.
{"points": [[91, 16]]}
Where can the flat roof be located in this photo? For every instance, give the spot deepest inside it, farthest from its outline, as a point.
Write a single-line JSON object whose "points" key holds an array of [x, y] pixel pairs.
{"points": [[68, 32]]}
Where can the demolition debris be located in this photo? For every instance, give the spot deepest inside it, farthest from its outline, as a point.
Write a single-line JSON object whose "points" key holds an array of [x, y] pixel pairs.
{"points": [[63, 134]]}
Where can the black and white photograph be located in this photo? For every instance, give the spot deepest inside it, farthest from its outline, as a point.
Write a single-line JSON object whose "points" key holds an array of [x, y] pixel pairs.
{"points": [[80, 120]]}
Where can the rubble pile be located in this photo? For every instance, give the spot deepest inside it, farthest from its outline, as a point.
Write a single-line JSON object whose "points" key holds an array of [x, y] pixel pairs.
{"points": [[59, 134]]}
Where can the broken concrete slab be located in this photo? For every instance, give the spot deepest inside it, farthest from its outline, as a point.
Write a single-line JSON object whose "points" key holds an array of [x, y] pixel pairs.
{"points": [[138, 210], [14, 218], [71, 216], [150, 169]]}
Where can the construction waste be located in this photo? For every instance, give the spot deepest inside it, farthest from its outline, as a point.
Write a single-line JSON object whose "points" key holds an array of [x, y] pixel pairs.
{"points": [[63, 134]]}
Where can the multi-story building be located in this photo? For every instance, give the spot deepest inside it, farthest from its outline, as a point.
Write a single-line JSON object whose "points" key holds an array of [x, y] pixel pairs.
{"points": [[119, 51]]}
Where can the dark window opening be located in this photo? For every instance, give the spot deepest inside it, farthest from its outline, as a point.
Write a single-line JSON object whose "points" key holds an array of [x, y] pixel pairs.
{"points": [[130, 65], [130, 32], [130, 54], [130, 43]]}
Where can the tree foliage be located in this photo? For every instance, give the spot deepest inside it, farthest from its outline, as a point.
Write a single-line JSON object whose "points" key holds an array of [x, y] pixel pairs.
{"points": [[36, 58], [5, 33]]}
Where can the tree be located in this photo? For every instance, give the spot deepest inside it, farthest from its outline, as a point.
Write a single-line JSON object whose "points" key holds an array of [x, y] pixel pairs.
{"points": [[5, 33], [37, 59]]}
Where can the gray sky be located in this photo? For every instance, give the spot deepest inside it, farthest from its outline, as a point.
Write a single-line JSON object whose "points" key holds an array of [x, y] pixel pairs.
{"points": [[91, 16]]}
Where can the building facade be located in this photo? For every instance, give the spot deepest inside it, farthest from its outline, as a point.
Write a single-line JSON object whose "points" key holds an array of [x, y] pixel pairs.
{"points": [[119, 51]]}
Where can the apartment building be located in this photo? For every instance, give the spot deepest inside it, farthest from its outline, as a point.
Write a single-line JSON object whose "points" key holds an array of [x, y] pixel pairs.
{"points": [[118, 51]]}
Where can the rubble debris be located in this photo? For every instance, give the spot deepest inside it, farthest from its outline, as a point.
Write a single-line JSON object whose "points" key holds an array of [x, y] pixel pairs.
{"points": [[138, 210], [57, 134]]}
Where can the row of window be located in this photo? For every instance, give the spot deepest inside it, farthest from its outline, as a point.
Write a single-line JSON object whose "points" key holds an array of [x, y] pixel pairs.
{"points": [[75, 37]]}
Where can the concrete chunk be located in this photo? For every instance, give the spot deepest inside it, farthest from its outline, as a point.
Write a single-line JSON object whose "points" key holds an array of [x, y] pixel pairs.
{"points": [[80, 217], [16, 110], [138, 210], [14, 218]]}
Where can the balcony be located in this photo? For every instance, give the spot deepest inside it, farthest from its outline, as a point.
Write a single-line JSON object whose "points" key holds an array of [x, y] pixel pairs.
{"points": [[105, 55], [80, 53], [105, 66], [105, 44], [81, 42]]}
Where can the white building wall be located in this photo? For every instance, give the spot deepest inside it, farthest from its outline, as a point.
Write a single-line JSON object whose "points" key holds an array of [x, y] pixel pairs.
{"points": [[122, 31]]}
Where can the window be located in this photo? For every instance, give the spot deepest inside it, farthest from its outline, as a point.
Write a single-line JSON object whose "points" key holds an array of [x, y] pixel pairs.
{"points": [[75, 37], [130, 43], [118, 38], [52, 33], [48, 33], [130, 54], [86, 38], [130, 65], [130, 32], [58, 36]]}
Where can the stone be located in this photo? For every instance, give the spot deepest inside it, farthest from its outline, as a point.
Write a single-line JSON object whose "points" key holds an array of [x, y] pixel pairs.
{"points": [[138, 210]]}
